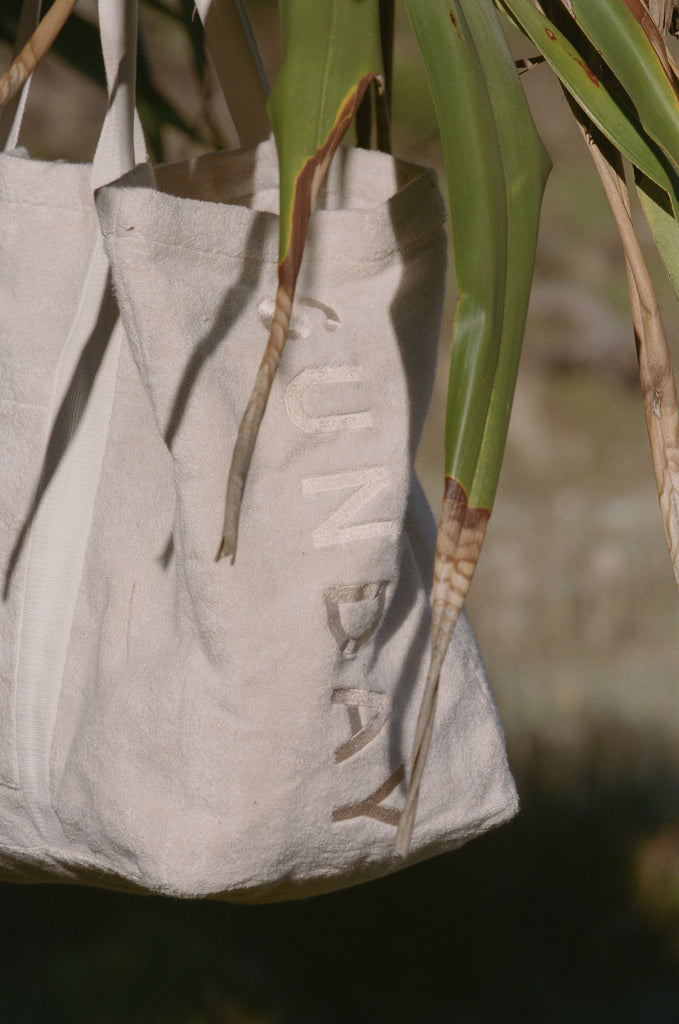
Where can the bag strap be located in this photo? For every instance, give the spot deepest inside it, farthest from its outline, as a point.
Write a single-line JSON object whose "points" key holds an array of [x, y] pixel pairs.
{"points": [[233, 48], [121, 131], [121, 141], [81, 407], [241, 74]]}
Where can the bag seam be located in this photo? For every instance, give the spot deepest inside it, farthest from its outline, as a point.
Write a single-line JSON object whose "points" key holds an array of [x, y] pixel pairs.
{"points": [[384, 256]]}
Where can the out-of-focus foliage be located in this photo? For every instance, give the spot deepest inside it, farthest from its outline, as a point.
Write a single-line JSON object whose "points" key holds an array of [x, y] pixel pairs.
{"points": [[78, 45]]}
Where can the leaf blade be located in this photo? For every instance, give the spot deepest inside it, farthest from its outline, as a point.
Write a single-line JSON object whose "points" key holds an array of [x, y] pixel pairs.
{"points": [[476, 191], [489, 107], [630, 43], [527, 166], [311, 105], [619, 123], [305, 109]]}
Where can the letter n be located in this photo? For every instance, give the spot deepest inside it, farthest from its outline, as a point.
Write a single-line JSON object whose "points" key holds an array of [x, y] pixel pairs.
{"points": [[366, 484]]}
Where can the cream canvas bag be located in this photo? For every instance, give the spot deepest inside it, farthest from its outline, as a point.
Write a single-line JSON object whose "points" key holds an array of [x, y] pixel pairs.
{"points": [[241, 730]]}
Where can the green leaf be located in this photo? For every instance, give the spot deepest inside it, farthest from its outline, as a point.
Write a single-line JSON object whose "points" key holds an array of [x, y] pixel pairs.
{"points": [[331, 53], [629, 40], [477, 199], [526, 168], [663, 225], [496, 170], [617, 120], [630, 43]]}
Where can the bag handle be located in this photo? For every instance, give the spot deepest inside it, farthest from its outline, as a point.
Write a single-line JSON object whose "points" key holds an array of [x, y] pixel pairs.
{"points": [[121, 143], [62, 513], [232, 46]]}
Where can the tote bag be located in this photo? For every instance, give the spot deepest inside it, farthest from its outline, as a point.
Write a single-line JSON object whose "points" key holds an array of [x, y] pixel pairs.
{"points": [[238, 731]]}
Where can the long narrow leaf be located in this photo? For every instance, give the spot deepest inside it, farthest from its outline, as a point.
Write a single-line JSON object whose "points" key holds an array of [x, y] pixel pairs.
{"points": [[476, 193], [630, 43], [496, 169], [643, 125], [657, 179], [477, 199], [663, 225], [655, 363], [331, 53], [526, 166], [618, 121]]}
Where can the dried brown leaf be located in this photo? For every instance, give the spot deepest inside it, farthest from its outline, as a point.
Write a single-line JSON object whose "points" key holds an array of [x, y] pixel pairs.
{"points": [[655, 364]]}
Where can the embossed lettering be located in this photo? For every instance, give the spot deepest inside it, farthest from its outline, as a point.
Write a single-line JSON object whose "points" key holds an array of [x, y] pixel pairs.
{"points": [[300, 325], [370, 599], [332, 321], [319, 376], [361, 734], [367, 483], [372, 807], [353, 612]]}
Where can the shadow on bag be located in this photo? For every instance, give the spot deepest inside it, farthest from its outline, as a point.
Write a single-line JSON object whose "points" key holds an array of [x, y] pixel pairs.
{"points": [[172, 723]]}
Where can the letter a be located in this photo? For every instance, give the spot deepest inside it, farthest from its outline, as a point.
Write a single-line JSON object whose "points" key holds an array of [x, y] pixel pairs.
{"points": [[361, 734]]}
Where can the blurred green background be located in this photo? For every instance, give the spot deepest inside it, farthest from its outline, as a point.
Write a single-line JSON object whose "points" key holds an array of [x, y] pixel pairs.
{"points": [[569, 914]]}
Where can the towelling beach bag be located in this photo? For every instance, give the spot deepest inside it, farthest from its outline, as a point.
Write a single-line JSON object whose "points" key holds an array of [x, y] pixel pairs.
{"points": [[173, 723]]}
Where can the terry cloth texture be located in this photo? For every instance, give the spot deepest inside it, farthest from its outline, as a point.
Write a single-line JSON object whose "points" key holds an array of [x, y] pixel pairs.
{"points": [[243, 731]]}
